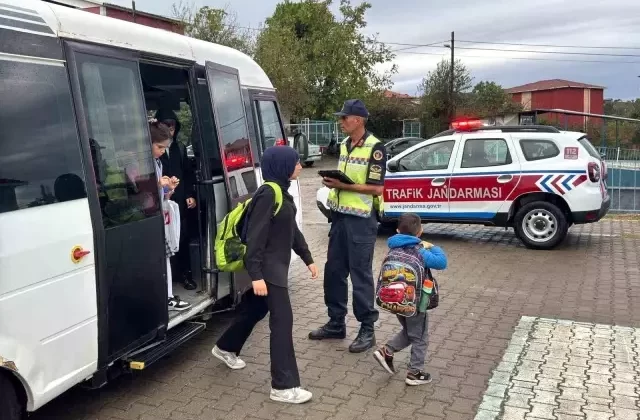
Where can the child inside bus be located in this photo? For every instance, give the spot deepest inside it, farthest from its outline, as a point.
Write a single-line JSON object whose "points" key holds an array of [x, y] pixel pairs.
{"points": [[161, 139]]}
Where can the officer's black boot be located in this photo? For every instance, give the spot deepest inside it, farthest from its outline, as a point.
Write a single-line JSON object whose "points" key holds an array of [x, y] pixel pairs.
{"points": [[330, 330], [365, 340]]}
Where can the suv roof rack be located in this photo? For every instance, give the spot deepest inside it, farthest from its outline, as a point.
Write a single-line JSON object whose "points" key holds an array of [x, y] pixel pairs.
{"points": [[505, 129]]}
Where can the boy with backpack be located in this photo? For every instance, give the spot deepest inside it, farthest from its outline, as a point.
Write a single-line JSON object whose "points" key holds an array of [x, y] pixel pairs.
{"points": [[404, 288]]}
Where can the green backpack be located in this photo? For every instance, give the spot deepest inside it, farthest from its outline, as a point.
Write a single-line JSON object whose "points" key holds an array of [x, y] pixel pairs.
{"points": [[229, 248]]}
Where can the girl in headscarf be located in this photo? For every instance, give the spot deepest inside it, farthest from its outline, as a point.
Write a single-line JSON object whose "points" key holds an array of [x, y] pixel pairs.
{"points": [[270, 240]]}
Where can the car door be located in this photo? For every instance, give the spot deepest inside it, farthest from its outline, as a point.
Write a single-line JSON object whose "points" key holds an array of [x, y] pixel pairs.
{"points": [[486, 171], [418, 180]]}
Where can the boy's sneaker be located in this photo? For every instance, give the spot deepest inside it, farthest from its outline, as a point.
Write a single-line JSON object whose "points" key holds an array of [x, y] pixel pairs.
{"points": [[417, 378], [290, 396], [230, 359], [385, 359], [175, 304]]}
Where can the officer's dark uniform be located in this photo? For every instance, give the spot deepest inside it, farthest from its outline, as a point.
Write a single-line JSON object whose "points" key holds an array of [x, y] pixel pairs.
{"points": [[352, 238]]}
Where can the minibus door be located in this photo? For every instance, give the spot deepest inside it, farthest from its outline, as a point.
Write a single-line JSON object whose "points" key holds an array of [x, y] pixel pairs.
{"points": [[234, 143], [125, 209]]}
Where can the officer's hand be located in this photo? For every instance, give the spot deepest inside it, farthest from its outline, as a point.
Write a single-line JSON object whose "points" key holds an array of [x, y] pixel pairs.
{"points": [[259, 288], [314, 271], [332, 183]]}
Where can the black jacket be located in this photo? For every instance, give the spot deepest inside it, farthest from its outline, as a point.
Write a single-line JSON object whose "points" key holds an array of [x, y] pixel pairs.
{"points": [[270, 239], [177, 164]]}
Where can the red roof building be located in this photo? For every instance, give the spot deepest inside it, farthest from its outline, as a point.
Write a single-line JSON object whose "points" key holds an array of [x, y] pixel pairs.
{"points": [[391, 94], [124, 13], [561, 94]]}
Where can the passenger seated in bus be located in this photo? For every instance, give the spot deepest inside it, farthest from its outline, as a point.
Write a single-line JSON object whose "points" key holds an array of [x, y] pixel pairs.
{"points": [[176, 163], [161, 139]]}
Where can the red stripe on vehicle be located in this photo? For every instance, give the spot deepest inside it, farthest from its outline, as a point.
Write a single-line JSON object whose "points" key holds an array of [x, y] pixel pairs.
{"points": [[554, 184], [579, 180]]}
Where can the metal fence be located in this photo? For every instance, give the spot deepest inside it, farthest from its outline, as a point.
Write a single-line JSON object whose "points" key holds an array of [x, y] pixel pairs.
{"points": [[411, 128], [321, 132], [623, 181]]}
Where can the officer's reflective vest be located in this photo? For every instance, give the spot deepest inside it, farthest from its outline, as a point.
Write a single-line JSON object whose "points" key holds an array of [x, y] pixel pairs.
{"points": [[355, 165]]}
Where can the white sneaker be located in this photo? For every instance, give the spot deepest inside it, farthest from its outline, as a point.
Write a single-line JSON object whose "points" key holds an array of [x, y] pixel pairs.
{"points": [[230, 359], [291, 396]]}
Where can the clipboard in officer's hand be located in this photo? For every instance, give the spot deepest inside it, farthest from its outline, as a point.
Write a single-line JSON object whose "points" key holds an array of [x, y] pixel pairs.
{"points": [[336, 174]]}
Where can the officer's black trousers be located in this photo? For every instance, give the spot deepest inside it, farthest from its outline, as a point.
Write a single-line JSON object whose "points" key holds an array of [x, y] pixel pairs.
{"points": [[351, 243]]}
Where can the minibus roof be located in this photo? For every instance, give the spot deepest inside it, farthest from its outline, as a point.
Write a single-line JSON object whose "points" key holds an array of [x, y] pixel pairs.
{"points": [[73, 24]]}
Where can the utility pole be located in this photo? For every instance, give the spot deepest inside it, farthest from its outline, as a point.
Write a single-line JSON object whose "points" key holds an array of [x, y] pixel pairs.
{"points": [[452, 109], [133, 7]]}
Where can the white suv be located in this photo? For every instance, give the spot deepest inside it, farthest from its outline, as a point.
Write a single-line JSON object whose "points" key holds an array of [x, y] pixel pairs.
{"points": [[536, 179]]}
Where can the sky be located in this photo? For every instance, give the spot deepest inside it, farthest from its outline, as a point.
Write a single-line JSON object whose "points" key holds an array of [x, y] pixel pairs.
{"points": [[484, 31]]}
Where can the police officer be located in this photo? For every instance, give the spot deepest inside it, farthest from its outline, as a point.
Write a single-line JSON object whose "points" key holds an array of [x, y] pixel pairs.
{"points": [[353, 229]]}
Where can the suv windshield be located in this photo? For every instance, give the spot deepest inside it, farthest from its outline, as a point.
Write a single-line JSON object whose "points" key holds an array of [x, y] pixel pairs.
{"points": [[584, 141]]}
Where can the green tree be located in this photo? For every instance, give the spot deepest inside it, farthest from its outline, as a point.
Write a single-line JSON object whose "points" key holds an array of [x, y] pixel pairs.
{"points": [[435, 92], [316, 59], [488, 99], [219, 26], [386, 114]]}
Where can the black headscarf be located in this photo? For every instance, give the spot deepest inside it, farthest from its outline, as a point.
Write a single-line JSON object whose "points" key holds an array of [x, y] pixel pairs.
{"points": [[278, 164], [164, 114]]}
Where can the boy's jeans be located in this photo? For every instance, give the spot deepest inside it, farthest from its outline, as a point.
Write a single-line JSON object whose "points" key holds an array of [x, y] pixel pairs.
{"points": [[415, 334]]}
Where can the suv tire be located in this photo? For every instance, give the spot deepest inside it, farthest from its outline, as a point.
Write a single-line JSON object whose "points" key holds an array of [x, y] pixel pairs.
{"points": [[541, 225], [10, 407], [387, 227]]}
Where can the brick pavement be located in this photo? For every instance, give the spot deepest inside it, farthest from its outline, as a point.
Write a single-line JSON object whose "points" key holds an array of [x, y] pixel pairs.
{"points": [[492, 282], [560, 369]]}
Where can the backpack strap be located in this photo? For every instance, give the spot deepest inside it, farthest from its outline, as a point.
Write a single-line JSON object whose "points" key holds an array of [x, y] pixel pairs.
{"points": [[278, 191]]}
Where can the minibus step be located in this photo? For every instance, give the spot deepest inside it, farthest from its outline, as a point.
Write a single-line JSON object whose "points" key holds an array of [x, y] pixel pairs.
{"points": [[175, 337]]}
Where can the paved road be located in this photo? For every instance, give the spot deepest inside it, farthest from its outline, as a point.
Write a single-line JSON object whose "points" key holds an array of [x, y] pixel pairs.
{"points": [[481, 351]]}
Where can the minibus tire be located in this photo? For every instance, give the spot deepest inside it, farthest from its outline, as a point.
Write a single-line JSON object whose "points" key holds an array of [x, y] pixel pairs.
{"points": [[11, 408], [540, 217]]}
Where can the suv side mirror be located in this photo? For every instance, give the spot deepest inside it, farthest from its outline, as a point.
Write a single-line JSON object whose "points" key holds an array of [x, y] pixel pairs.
{"points": [[393, 166]]}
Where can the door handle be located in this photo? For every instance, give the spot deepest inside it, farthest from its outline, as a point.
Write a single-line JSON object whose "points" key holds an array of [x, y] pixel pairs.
{"points": [[438, 182], [503, 179]]}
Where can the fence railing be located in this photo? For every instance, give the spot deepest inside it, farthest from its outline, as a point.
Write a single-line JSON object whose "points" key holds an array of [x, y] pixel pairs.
{"points": [[321, 133], [623, 180]]}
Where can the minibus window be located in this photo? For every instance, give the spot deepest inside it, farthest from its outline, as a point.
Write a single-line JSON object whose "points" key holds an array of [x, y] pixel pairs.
{"points": [[234, 136], [40, 158], [117, 125]]}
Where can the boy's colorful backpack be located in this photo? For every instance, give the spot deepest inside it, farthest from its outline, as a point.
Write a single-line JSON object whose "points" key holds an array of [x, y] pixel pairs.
{"points": [[229, 247], [400, 281]]}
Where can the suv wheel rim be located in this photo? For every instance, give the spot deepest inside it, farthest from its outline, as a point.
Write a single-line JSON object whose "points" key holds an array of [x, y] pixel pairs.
{"points": [[539, 225]]}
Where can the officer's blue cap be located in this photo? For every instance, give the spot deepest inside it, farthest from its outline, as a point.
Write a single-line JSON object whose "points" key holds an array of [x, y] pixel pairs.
{"points": [[353, 107]]}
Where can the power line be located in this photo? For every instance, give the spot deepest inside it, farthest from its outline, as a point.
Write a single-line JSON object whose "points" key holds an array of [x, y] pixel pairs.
{"points": [[526, 58], [549, 52], [412, 47], [549, 45], [531, 51], [435, 45]]}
